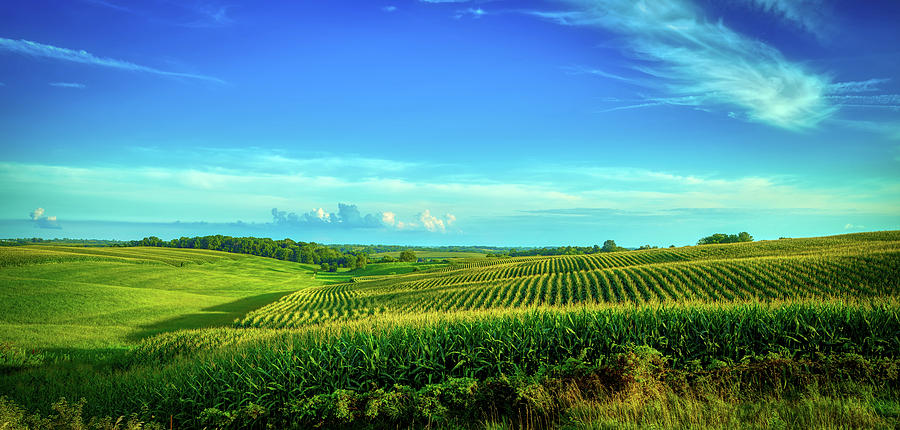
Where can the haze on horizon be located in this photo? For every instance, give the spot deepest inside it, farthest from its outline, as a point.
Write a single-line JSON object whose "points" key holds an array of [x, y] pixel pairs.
{"points": [[509, 123]]}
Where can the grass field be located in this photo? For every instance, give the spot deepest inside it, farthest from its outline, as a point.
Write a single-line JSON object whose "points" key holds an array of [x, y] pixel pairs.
{"points": [[794, 333], [69, 297], [435, 255], [374, 270]]}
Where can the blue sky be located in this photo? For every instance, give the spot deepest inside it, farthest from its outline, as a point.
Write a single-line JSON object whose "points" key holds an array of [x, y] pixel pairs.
{"points": [[449, 122]]}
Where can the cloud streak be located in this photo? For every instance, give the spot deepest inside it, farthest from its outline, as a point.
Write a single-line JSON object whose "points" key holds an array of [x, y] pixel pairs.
{"points": [[856, 86], [805, 14], [67, 85], [40, 50], [693, 57]]}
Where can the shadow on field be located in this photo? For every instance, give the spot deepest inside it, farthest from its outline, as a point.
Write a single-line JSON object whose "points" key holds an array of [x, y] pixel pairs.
{"points": [[214, 316]]}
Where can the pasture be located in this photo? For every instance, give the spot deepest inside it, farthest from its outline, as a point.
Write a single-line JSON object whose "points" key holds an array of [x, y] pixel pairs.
{"points": [[64, 297]]}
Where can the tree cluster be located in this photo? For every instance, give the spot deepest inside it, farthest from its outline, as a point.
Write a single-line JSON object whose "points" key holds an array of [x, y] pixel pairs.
{"points": [[382, 249], [726, 238], [608, 246], [286, 249]]}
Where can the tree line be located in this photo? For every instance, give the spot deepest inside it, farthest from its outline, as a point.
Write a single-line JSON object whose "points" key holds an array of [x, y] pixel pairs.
{"points": [[608, 246], [381, 249], [726, 238], [285, 249]]}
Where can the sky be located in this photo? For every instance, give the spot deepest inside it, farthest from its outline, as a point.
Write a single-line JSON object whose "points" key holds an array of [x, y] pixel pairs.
{"points": [[439, 122]]}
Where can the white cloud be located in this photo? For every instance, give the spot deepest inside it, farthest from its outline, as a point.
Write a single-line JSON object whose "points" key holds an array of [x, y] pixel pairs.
{"points": [[221, 195], [41, 221], [855, 86], [431, 223], [67, 85], [694, 57], [806, 14], [604, 74], [37, 213], [35, 49], [321, 214], [474, 12], [875, 101], [389, 8]]}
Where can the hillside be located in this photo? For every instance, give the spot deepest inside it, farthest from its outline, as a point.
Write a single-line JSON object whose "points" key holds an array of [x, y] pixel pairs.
{"points": [[75, 297], [847, 266], [793, 333]]}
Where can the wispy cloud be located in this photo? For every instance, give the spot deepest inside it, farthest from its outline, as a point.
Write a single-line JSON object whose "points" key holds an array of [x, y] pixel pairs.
{"points": [[40, 50], [891, 101], [199, 14], [658, 101], [474, 12], [444, 1], [582, 70], [209, 16], [67, 85], [691, 56], [868, 85], [389, 8], [809, 15], [852, 94], [109, 5]]}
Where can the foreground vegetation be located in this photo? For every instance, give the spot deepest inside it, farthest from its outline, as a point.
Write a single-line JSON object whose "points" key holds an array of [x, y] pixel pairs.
{"points": [[799, 333]]}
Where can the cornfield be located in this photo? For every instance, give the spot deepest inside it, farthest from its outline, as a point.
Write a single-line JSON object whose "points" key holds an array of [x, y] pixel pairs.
{"points": [[831, 267]]}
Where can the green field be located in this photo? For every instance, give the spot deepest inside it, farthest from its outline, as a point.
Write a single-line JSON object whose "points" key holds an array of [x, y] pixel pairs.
{"points": [[793, 333], [433, 255], [374, 270], [856, 266], [69, 297]]}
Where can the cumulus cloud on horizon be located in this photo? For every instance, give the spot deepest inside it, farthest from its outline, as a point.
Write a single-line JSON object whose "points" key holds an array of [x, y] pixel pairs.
{"points": [[42, 221], [349, 216]]}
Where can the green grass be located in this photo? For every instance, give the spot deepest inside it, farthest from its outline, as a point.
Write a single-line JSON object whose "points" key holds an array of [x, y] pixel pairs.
{"points": [[436, 255], [66, 297], [794, 333], [375, 270]]}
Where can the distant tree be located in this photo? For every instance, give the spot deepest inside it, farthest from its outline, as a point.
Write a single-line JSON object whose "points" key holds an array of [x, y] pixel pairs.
{"points": [[361, 261], [408, 256], [388, 259], [726, 238], [610, 246]]}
